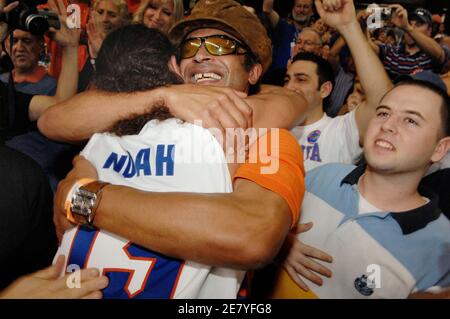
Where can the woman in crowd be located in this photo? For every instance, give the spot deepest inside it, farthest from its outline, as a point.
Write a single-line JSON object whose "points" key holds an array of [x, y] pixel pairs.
{"points": [[105, 16], [159, 14]]}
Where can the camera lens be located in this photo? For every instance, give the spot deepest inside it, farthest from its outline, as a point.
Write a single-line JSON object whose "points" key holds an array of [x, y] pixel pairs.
{"points": [[36, 24]]}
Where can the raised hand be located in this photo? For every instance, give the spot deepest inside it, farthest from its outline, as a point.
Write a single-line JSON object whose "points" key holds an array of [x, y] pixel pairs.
{"points": [[65, 36], [3, 25], [336, 13], [95, 37], [400, 17]]}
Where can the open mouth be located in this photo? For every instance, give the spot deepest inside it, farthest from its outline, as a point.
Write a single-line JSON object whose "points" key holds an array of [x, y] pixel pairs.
{"points": [[203, 77], [385, 145]]}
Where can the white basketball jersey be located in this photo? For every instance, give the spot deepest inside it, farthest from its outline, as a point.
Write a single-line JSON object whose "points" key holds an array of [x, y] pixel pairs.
{"points": [[167, 156]]}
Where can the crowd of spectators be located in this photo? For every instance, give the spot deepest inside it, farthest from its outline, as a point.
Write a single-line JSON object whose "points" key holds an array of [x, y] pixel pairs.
{"points": [[321, 72]]}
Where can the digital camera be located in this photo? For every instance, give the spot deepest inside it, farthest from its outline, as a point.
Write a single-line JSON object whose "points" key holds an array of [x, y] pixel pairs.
{"points": [[27, 17], [386, 13]]}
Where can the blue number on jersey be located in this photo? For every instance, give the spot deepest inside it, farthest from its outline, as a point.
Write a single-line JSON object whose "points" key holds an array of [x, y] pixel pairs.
{"points": [[160, 283]]}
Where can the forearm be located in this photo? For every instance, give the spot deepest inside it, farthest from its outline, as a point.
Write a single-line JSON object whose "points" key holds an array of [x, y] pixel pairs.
{"points": [[66, 87], [428, 45], [68, 78], [276, 107], [227, 230], [78, 118], [372, 44], [335, 52], [337, 47], [371, 72], [273, 16]]}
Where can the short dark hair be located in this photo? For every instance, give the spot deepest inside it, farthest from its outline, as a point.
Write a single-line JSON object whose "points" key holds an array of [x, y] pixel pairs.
{"points": [[135, 58], [445, 105], [324, 69]]}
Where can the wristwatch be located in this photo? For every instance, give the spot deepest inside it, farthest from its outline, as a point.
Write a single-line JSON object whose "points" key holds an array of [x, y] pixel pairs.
{"points": [[85, 201]]}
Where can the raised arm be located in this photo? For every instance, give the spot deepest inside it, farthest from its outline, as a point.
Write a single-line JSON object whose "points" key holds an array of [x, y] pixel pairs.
{"points": [[94, 111], [424, 42], [335, 52], [273, 16], [68, 39], [375, 47], [373, 77]]}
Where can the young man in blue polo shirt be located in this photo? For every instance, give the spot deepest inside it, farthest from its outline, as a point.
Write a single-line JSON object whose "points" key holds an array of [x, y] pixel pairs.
{"points": [[387, 237]]}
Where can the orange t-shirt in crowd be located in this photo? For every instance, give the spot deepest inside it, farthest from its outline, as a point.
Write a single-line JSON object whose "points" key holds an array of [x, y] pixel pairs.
{"points": [[287, 178], [35, 77]]}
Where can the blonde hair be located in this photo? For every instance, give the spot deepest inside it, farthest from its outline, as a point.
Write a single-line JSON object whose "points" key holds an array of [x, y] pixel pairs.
{"points": [[122, 5], [177, 14]]}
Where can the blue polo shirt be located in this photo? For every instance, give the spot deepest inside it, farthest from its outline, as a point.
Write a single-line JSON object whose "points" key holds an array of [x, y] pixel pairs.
{"points": [[376, 254]]}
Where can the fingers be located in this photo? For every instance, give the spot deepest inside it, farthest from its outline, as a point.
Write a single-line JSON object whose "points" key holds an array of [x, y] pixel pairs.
{"points": [[218, 113], [303, 271], [336, 4], [90, 28], [398, 10], [396, 6], [226, 111], [89, 287], [332, 5], [53, 6], [10, 6], [63, 11], [319, 7], [243, 107], [294, 276], [59, 264], [301, 228], [75, 279], [316, 267], [315, 253], [53, 271]]}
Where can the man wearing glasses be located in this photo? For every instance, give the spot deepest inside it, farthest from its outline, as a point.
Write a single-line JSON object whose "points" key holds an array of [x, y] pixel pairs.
{"points": [[213, 229], [309, 40]]}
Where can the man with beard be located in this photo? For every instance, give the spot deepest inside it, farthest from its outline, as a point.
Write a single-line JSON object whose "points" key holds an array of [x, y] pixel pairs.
{"points": [[287, 31]]}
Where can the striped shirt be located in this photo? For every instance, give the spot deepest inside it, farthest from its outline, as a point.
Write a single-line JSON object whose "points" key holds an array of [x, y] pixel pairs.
{"points": [[397, 61]]}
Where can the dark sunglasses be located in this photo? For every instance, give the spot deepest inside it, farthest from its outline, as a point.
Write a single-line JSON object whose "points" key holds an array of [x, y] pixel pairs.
{"points": [[215, 45]]}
